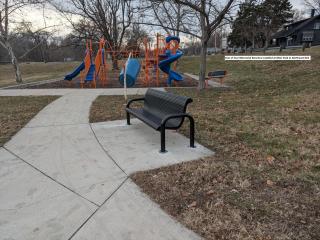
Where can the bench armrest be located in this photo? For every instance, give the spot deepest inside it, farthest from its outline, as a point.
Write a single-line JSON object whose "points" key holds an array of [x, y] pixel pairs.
{"points": [[180, 115], [163, 128], [134, 100]]}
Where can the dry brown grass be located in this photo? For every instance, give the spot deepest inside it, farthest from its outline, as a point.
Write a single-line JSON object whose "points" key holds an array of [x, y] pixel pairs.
{"points": [[108, 108], [264, 181], [17, 111], [32, 72]]}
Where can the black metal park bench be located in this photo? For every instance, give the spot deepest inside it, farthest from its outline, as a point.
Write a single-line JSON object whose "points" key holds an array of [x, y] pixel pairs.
{"points": [[161, 111], [219, 74]]}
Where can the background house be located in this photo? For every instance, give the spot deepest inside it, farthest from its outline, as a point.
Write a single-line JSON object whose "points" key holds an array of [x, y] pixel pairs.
{"points": [[305, 31]]}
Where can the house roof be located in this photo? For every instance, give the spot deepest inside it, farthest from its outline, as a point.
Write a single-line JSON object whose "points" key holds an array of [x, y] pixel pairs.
{"points": [[301, 24]]}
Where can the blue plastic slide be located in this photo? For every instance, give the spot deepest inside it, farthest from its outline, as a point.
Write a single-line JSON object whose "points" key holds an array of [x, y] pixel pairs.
{"points": [[75, 73], [165, 65]]}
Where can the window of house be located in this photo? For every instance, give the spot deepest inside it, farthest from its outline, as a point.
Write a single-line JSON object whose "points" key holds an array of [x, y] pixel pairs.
{"points": [[307, 36], [317, 25]]}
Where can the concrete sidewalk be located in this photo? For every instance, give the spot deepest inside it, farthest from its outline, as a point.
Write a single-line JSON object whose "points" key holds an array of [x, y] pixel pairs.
{"points": [[65, 91], [63, 178]]}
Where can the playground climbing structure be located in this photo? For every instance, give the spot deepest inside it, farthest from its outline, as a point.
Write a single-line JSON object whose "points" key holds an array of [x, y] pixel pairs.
{"points": [[91, 71], [157, 60]]}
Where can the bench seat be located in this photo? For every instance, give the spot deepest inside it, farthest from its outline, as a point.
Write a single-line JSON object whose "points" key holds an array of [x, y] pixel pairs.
{"points": [[148, 118]]}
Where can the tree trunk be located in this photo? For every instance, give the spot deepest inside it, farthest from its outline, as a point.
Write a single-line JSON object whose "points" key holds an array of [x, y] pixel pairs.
{"points": [[253, 42], [266, 44], [203, 52], [114, 59], [42, 52], [14, 62], [203, 65], [115, 65]]}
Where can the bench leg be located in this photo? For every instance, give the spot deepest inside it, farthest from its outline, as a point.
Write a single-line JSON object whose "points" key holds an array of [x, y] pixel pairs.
{"points": [[128, 118], [191, 132], [163, 139]]}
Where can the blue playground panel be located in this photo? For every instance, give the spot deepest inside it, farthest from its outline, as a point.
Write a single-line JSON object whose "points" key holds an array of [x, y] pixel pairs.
{"points": [[90, 74], [132, 72]]}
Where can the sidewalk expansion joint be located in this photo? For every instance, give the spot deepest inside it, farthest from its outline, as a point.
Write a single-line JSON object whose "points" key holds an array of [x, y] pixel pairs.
{"points": [[58, 125], [108, 154], [46, 175], [105, 201]]}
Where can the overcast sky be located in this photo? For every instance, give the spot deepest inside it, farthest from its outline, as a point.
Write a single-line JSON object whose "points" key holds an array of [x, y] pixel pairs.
{"points": [[297, 3], [61, 26]]}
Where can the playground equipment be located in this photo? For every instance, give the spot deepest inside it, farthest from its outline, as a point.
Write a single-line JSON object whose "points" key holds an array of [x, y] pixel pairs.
{"points": [[91, 71], [157, 60], [171, 56], [164, 53]]}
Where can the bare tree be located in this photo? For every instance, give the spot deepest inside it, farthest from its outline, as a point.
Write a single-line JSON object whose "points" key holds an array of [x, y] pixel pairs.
{"points": [[172, 17], [135, 37], [111, 18], [39, 39], [8, 8], [210, 14], [298, 15], [313, 4], [199, 19], [168, 14]]}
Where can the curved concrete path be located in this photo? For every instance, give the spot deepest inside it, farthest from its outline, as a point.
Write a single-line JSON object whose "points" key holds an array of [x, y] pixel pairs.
{"points": [[62, 178]]}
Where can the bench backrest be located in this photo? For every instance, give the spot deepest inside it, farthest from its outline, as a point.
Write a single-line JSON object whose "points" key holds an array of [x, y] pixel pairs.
{"points": [[162, 104], [219, 73]]}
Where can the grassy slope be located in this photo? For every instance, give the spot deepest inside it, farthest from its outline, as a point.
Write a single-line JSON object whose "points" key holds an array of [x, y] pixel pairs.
{"points": [[35, 71], [17, 111], [263, 182]]}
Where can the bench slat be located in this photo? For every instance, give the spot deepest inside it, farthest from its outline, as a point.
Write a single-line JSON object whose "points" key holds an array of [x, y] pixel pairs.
{"points": [[217, 74]]}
